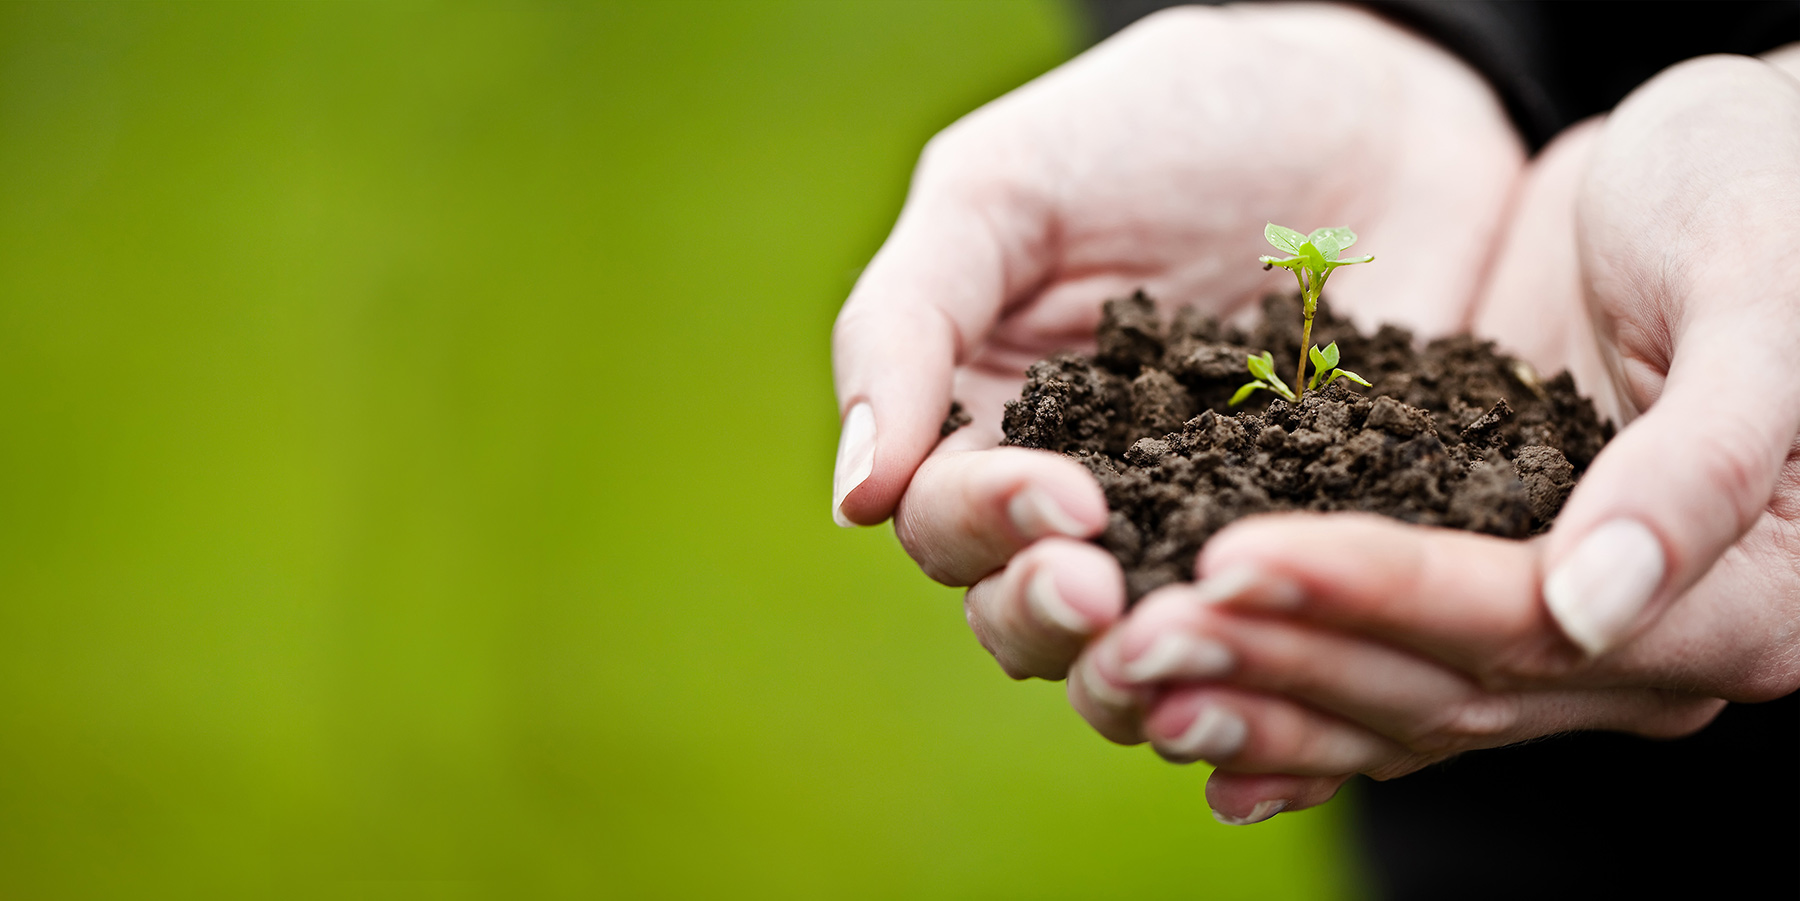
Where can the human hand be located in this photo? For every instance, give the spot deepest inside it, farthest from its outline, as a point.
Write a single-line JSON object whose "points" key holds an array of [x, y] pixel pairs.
{"points": [[1153, 161], [1671, 578]]}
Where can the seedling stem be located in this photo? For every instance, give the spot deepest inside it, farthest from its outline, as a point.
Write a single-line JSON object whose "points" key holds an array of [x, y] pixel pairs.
{"points": [[1309, 304]]}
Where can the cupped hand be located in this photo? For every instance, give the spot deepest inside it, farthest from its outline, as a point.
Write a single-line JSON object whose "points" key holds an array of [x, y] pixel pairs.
{"points": [[1152, 161], [1315, 647]]}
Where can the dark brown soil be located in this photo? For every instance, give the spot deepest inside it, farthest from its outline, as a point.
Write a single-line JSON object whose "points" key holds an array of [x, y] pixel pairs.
{"points": [[1455, 435]]}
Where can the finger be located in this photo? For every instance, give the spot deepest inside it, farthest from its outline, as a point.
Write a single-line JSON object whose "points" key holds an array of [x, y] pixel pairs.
{"points": [[927, 299], [1532, 302], [1240, 799], [1468, 600], [967, 513], [1253, 732], [1113, 703], [1035, 615], [1414, 702], [1687, 223], [1391, 692], [1258, 733]]}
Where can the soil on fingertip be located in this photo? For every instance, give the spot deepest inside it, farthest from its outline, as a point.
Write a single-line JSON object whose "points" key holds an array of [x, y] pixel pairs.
{"points": [[1455, 434]]}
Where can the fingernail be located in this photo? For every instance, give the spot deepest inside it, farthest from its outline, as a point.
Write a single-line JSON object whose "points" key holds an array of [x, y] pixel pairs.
{"points": [[855, 459], [1047, 604], [1262, 811], [1177, 656], [1249, 585], [1100, 688], [1217, 733], [1598, 592], [1035, 515]]}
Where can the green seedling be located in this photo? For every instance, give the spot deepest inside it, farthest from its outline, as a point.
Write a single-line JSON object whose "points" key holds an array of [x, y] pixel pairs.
{"points": [[1325, 372], [1315, 257]]}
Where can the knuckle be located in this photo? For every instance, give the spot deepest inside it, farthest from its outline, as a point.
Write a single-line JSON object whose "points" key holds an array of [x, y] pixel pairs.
{"points": [[1404, 765], [1020, 670], [1025, 648], [1546, 661], [1482, 721], [1734, 464], [852, 318], [956, 157], [977, 623], [978, 610], [1012, 668], [980, 168], [949, 543], [944, 150], [921, 545], [1678, 716]]}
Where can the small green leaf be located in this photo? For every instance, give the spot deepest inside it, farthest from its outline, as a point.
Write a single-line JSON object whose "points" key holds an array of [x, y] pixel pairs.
{"points": [[1352, 377], [1336, 263], [1314, 260], [1341, 236], [1289, 263], [1283, 238], [1262, 367], [1317, 357], [1245, 391], [1331, 355], [1327, 245], [1277, 385]]}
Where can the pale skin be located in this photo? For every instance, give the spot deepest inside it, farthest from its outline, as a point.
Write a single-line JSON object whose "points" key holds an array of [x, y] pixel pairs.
{"points": [[1650, 254]]}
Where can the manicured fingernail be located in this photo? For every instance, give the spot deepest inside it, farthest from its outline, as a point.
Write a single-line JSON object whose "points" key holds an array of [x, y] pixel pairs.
{"points": [[1036, 515], [1262, 811], [855, 459], [1047, 604], [1598, 592], [1100, 688], [1215, 734], [1174, 655], [1247, 584]]}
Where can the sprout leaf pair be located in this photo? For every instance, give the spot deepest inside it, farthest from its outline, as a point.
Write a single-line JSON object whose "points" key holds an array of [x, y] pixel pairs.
{"points": [[1263, 369], [1325, 369], [1315, 257], [1315, 254]]}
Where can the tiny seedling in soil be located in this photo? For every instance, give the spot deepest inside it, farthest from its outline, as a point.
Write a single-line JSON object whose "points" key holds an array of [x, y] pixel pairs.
{"points": [[1315, 257]]}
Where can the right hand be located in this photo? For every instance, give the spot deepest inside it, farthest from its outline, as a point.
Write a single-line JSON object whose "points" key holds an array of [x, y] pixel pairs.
{"points": [[1152, 161], [1671, 579]]}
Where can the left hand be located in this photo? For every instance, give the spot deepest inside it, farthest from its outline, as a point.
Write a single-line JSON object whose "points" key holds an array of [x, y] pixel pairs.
{"points": [[1672, 579]]}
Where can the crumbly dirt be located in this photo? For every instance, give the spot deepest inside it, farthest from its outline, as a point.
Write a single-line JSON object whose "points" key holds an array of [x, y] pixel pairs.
{"points": [[957, 418], [1454, 435]]}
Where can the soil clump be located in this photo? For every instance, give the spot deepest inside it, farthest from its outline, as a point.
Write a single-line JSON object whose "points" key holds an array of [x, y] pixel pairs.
{"points": [[1456, 435]]}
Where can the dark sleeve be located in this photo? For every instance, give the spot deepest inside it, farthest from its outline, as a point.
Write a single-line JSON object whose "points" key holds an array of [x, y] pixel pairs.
{"points": [[1555, 62]]}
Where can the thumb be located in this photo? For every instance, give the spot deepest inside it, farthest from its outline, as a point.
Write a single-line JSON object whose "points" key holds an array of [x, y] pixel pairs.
{"points": [[923, 305], [1673, 491], [1687, 250]]}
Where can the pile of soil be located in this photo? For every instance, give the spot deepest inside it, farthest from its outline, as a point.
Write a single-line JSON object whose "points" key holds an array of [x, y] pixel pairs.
{"points": [[1454, 435]]}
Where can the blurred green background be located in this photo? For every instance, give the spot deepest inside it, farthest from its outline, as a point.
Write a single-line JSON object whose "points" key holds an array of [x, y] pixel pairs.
{"points": [[415, 432]]}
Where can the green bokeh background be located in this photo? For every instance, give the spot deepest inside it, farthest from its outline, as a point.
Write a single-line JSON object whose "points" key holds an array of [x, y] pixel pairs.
{"points": [[415, 432]]}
